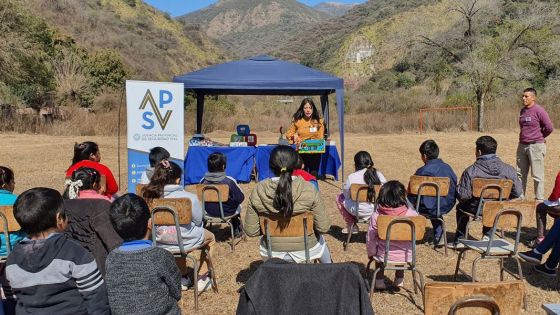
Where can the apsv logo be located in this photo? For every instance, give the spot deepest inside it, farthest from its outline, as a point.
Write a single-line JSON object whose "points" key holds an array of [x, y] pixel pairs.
{"points": [[165, 98]]}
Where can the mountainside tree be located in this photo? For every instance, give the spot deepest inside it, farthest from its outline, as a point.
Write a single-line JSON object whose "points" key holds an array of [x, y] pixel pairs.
{"points": [[494, 44]]}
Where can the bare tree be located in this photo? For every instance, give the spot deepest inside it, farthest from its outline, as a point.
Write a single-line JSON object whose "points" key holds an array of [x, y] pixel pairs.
{"points": [[484, 59]]}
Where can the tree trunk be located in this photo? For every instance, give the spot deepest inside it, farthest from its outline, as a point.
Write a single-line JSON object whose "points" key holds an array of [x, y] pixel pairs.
{"points": [[480, 99]]}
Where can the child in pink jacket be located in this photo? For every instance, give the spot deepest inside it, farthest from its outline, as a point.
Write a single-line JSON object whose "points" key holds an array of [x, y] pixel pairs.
{"points": [[391, 201]]}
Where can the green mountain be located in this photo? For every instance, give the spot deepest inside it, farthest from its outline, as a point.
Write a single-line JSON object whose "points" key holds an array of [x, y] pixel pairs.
{"points": [[334, 8], [251, 27], [151, 44]]}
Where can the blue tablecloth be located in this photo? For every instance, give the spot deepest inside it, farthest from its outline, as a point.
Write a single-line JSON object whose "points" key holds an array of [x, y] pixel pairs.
{"points": [[240, 162], [330, 162]]}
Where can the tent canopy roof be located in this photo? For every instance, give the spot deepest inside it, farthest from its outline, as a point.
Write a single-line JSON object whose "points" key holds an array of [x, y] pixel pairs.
{"points": [[260, 75]]}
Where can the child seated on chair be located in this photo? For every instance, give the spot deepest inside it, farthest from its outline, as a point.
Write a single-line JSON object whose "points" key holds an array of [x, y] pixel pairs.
{"points": [[392, 201], [435, 167], [155, 156], [48, 273], [7, 198], [84, 184], [165, 183], [300, 172], [217, 175], [287, 195], [141, 278], [367, 174]]}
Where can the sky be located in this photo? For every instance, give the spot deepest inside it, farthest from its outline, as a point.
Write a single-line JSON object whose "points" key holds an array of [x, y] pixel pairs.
{"points": [[180, 7]]}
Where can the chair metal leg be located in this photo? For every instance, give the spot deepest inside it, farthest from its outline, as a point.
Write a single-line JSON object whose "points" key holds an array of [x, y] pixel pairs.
{"points": [[367, 268], [345, 245], [195, 280], [414, 281], [421, 284], [461, 253], [232, 235], [520, 273], [213, 279], [372, 287], [474, 268], [501, 269], [444, 235]]}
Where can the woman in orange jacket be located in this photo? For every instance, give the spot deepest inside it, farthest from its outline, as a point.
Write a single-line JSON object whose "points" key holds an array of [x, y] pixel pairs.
{"points": [[307, 124]]}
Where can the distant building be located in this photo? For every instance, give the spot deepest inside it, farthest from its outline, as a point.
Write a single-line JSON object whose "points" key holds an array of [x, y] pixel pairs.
{"points": [[360, 49]]}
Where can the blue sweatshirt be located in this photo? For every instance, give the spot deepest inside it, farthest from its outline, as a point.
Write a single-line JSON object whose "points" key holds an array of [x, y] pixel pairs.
{"points": [[436, 168]]}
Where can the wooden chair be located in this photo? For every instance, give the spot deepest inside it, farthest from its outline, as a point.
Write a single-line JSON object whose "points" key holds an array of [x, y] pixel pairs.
{"points": [[395, 228], [8, 224], [298, 225], [177, 212], [358, 193], [429, 186], [484, 188], [217, 194], [139, 188], [444, 297], [498, 218]]}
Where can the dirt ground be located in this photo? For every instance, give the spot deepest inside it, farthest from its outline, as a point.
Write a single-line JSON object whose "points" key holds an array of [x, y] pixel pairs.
{"points": [[42, 160]]}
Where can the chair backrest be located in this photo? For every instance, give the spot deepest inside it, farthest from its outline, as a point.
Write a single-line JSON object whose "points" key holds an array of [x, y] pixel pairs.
{"points": [[286, 227], [428, 184], [476, 301], [358, 192], [8, 212], [507, 212], [400, 231], [491, 188], [440, 296], [212, 192], [139, 188], [161, 214]]}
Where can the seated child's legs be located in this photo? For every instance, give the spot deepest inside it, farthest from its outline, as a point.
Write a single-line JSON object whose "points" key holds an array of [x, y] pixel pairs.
{"points": [[209, 240], [348, 218], [438, 229]]}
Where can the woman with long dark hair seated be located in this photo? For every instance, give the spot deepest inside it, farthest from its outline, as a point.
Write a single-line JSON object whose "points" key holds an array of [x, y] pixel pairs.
{"points": [[287, 195]]}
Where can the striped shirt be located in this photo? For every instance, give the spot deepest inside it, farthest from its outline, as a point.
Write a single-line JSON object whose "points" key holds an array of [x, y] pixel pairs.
{"points": [[55, 276]]}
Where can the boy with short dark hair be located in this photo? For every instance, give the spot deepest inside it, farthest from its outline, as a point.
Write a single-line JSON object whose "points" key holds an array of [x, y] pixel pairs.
{"points": [[155, 156], [217, 175], [49, 273], [141, 278]]}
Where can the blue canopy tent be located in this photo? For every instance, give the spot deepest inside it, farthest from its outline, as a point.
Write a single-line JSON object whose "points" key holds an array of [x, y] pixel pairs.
{"points": [[264, 75]]}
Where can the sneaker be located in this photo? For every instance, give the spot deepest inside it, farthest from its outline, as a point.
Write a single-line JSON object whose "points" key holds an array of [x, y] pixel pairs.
{"points": [[534, 242], [485, 238], [455, 245], [355, 230], [399, 282], [380, 284], [438, 242], [204, 283], [531, 256], [542, 268], [186, 283], [237, 233]]}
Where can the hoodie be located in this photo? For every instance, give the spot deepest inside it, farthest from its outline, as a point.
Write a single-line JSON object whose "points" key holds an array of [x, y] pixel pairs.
{"points": [[55, 276], [305, 197], [486, 166], [235, 197], [399, 251]]}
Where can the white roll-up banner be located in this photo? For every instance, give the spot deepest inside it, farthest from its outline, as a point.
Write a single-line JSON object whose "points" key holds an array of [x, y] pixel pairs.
{"points": [[155, 118]]}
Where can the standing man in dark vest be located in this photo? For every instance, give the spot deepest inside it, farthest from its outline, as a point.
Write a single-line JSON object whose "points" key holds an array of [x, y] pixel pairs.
{"points": [[535, 126]]}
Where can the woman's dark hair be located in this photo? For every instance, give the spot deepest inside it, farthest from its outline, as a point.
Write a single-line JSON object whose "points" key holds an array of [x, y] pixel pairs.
{"points": [[6, 177], [165, 173], [89, 177], [216, 162], [157, 154], [129, 216], [35, 210], [299, 113], [392, 194], [283, 160], [82, 151], [363, 160]]}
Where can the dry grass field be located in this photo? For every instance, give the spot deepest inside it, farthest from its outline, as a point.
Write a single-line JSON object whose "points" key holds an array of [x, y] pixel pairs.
{"points": [[42, 160]]}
